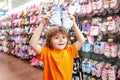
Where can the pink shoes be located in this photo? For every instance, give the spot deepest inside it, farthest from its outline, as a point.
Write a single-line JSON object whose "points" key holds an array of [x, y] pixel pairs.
{"points": [[114, 50], [99, 47], [97, 69], [119, 52], [111, 49], [118, 75], [109, 72], [107, 50]]}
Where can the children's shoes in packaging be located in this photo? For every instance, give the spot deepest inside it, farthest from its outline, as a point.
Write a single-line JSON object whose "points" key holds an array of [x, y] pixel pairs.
{"points": [[56, 18], [66, 22]]}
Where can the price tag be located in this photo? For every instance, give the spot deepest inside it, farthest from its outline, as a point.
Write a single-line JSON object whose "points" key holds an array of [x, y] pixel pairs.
{"points": [[71, 38], [95, 62], [95, 20], [85, 21], [86, 59], [108, 64], [93, 78], [109, 18], [110, 40], [98, 39], [84, 75]]}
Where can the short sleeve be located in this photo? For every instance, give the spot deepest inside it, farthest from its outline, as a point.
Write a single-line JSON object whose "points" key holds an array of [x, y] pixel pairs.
{"points": [[42, 54], [73, 51]]}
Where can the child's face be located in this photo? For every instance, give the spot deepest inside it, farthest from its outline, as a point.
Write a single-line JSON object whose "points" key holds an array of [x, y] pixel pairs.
{"points": [[59, 41]]}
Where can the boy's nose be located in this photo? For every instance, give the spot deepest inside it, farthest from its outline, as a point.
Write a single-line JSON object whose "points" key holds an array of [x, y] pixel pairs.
{"points": [[61, 39]]}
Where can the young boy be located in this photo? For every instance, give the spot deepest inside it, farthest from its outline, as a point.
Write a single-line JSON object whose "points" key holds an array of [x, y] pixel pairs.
{"points": [[57, 55]]}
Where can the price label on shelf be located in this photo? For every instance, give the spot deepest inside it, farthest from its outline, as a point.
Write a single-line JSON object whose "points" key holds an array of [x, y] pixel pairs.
{"points": [[109, 18], [110, 40], [85, 21]]}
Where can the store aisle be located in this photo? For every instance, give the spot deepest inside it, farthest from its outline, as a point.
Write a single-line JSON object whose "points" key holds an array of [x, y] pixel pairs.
{"points": [[12, 68]]}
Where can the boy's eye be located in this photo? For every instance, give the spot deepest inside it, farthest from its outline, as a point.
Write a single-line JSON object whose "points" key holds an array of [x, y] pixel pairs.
{"points": [[64, 37], [56, 37]]}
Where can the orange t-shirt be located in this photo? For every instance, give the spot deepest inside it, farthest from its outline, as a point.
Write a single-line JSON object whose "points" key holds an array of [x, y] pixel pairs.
{"points": [[58, 65]]}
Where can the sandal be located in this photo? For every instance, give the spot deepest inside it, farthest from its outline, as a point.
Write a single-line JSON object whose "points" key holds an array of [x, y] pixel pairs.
{"points": [[119, 51], [118, 76], [83, 66], [56, 18], [107, 50], [87, 47], [114, 50], [99, 67], [66, 22], [112, 72], [105, 73]]}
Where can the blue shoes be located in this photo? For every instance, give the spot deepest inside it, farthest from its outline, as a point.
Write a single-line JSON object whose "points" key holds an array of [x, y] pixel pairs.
{"points": [[86, 67], [60, 17], [56, 18], [87, 47], [66, 22]]}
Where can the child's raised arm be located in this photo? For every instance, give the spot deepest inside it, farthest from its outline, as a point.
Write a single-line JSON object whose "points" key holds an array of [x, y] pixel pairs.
{"points": [[78, 34], [37, 34]]}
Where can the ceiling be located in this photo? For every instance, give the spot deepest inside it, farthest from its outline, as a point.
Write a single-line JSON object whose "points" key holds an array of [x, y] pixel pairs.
{"points": [[6, 5], [11, 6]]}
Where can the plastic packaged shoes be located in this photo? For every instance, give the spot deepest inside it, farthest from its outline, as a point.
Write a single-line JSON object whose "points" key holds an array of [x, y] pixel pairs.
{"points": [[86, 66], [109, 72], [119, 51], [99, 47], [111, 50], [107, 50], [97, 69], [87, 47], [56, 18], [114, 50], [85, 27], [112, 72], [66, 22], [118, 76]]}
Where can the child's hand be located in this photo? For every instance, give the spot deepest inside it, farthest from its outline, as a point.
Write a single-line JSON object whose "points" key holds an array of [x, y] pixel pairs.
{"points": [[45, 18], [72, 17]]}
